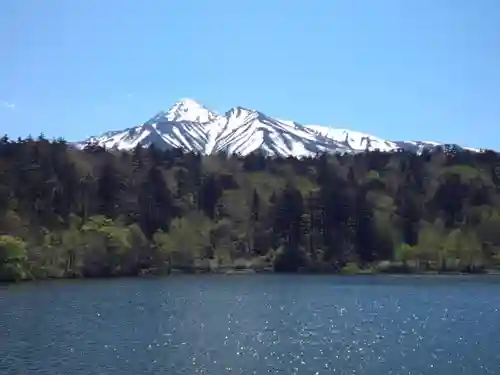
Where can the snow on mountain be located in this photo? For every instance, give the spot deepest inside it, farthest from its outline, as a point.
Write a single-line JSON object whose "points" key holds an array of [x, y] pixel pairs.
{"points": [[247, 130], [355, 140], [191, 126], [186, 125], [190, 111], [419, 146]]}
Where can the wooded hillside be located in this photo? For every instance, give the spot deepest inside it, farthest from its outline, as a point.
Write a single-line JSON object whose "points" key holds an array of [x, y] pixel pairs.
{"points": [[70, 213]]}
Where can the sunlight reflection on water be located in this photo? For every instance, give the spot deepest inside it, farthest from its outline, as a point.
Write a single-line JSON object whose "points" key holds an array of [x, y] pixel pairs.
{"points": [[252, 325]]}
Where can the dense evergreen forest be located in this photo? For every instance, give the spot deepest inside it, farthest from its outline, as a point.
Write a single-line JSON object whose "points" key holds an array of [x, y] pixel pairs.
{"points": [[97, 212]]}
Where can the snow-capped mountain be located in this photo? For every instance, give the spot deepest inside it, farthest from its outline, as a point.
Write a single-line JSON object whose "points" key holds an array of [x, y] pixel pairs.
{"points": [[191, 126]]}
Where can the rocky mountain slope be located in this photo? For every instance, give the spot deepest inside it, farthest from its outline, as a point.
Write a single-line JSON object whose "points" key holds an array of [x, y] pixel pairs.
{"points": [[191, 126]]}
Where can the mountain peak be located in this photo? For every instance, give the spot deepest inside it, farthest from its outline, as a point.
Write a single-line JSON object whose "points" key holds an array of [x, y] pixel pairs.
{"points": [[190, 110], [191, 126], [188, 103]]}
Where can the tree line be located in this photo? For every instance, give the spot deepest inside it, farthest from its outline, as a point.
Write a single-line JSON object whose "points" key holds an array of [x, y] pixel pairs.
{"points": [[97, 213]]}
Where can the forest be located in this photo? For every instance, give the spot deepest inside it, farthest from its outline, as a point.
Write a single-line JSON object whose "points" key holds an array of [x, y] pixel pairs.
{"points": [[69, 213]]}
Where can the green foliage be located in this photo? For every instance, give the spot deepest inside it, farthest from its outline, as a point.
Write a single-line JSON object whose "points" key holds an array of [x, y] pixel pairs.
{"points": [[430, 240], [187, 241], [466, 172], [265, 183], [70, 213], [405, 253], [351, 268], [12, 258]]}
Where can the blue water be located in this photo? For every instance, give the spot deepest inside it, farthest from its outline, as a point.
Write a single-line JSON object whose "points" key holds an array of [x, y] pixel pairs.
{"points": [[252, 324]]}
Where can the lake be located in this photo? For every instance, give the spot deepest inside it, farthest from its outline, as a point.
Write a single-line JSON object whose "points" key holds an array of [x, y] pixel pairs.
{"points": [[252, 324]]}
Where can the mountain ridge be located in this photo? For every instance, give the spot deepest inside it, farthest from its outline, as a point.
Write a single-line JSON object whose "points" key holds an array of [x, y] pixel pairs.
{"points": [[191, 126]]}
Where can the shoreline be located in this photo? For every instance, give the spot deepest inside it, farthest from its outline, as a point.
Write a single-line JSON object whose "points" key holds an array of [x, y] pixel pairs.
{"points": [[241, 272]]}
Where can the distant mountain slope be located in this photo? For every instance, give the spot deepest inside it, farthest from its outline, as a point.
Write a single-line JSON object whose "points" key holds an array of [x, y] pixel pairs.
{"points": [[191, 126]]}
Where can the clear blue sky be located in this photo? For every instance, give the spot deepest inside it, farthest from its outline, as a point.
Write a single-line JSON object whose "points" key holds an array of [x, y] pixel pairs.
{"points": [[398, 69]]}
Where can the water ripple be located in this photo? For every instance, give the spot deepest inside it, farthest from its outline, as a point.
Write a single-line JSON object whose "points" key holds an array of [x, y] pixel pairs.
{"points": [[252, 325]]}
